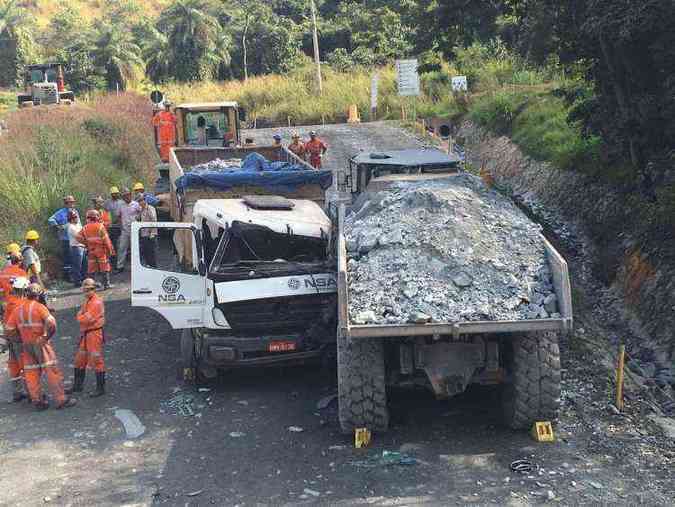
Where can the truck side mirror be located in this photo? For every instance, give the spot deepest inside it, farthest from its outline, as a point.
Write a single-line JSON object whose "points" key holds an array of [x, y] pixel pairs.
{"points": [[242, 114]]}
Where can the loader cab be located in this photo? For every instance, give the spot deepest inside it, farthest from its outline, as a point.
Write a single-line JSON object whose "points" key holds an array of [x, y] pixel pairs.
{"points": [[210, 124], [44, 84]]}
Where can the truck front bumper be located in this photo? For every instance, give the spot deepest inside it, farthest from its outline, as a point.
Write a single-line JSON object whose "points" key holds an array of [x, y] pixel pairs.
{"points": [[239, 352]]}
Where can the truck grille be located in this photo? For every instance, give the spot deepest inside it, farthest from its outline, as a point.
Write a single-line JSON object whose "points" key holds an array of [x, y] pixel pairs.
{"points": [[280, 315]]}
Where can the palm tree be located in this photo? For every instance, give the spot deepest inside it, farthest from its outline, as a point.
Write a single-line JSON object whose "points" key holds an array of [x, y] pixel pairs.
{"points": [[117, 53], [12, 36], [196, 43]]}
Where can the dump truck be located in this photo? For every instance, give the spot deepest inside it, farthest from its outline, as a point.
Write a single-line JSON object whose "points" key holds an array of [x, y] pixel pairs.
{"points": [[44, 85], [249, 273], [198, 125], [519, 357]]}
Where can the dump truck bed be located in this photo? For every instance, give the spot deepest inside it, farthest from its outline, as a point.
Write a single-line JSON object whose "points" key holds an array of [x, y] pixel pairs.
{"points": [[561, 284], [183, 158]]}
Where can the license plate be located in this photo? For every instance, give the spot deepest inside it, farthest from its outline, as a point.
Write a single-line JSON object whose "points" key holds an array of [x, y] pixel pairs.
{"points": [[281, 346]]}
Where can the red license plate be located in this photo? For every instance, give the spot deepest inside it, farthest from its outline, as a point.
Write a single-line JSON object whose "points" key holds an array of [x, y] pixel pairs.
{"points": [[281, 346]]}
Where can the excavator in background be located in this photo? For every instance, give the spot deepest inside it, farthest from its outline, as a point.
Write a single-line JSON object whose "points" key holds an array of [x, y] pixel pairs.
{"points": [[44, 85]]}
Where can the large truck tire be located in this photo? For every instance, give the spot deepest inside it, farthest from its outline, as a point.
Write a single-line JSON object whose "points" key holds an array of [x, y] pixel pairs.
{"points": [[187, 349], [362, 392], [533, 393]]}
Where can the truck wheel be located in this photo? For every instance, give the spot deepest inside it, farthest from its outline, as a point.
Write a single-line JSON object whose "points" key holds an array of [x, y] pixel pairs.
{"points": [[533, 393], [361, 384]]}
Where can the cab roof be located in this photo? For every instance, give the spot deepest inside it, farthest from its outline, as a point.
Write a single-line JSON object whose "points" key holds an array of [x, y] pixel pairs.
{"points": [[207, 106], [306, 218]]}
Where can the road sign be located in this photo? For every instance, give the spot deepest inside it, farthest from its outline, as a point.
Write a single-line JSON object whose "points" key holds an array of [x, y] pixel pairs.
{"points": [[408, 79], [459, 84], [374, 82]]}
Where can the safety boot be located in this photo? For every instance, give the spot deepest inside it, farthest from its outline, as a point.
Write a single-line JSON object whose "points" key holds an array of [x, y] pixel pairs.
{"points": [[68, 402], [100, 385], [106, 281], [17, 392], [78, 381], [43, 404]]}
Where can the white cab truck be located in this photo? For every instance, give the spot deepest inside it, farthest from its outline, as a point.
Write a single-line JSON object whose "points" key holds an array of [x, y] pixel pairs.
{"points": [[248, 273], [521, 358]]}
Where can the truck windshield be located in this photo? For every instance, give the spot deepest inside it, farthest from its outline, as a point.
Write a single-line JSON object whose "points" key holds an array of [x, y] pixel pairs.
{"points": [[203, 128], [245, 245]]}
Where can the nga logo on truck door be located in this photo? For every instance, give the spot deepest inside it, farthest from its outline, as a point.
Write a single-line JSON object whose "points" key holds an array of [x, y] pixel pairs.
{"points": [[171, 286]]}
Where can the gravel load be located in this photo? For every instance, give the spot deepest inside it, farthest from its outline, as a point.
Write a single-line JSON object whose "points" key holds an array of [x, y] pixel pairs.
{"points": [[445, 251], [218, 164]]}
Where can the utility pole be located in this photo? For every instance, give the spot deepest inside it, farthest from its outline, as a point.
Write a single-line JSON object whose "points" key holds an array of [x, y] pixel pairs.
{"points": [[317, 60]]}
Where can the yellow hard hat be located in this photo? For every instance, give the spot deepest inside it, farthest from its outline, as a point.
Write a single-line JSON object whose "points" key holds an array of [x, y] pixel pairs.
{"points": [[32, 235], [138, 186], [114, 190], [13, 248]]}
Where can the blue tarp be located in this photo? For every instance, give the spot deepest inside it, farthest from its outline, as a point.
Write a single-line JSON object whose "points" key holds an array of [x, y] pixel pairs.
{"points": [[256, 170]]}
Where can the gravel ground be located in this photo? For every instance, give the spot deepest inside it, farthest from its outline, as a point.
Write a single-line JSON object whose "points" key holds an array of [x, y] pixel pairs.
{"points": [[238, 450], [445, 251]]}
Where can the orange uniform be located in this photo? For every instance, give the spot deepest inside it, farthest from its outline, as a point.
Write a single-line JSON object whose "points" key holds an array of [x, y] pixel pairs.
{"points": [[92, 319], [8, 273], [105, 218], [95, 237], [33, 321], [165, 123], [315, 148]]}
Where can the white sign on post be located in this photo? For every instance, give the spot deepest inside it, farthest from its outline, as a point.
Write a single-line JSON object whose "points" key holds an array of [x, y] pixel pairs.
{"points": [[459, 84], [374, 82], [408, 79]]}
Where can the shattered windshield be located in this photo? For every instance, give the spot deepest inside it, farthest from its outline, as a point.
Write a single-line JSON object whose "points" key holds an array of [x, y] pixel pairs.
{"points": [[246, 245]]}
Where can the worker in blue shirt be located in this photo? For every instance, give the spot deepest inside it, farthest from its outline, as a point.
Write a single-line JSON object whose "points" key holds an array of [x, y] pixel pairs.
{"points": [[59, 220]]}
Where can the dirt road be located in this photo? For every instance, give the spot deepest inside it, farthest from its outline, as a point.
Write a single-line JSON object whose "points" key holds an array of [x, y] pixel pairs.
{"points": [[240, 447]]}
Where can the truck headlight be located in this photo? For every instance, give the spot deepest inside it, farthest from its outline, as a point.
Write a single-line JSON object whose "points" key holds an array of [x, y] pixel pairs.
{"points": [[219, 318]]}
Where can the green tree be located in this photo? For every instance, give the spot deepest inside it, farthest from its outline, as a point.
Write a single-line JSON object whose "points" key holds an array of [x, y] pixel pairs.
{"points": [[117, 54], [193, 45], [16, 42]]}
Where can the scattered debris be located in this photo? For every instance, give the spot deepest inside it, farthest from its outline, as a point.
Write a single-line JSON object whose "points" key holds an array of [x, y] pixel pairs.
{"points": [[311, 492], [132, 424], [204, 390], [337, 447], [523, 466], [596, 485], [237, 434], [295, 429], [195, 493], [387, 458], [325, 401], [445, 251], [180, 404]]}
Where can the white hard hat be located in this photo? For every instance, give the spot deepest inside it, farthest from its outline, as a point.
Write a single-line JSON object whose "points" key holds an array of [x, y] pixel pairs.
{"points": [[20, 282]]}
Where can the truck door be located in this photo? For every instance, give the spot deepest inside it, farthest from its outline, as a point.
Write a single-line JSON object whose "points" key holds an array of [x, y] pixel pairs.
{"points": [[174, 282]]}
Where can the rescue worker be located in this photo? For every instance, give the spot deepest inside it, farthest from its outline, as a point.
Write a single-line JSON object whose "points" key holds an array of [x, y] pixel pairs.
{"points": [[276, 141], [11, 248], [59, 220], [165, 123], [31, 260], [77, 251], [103, 213], [148, 235], [99, 248], [11, 270], [139, 188], [90, 352], [202, 139], [113, 206], [315, 148], [296, 146], [128, 214], [14, 365], [35, 326]]}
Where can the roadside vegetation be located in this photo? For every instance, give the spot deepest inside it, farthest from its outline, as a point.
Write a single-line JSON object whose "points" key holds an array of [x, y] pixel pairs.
{"points": [[82, 150]]}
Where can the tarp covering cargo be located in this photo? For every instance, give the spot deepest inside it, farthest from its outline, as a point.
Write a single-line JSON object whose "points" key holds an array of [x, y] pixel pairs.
{"points": [[255, 170]]}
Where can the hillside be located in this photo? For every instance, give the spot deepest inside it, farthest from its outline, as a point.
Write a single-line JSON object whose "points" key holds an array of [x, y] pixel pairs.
{"points": [[45, 10]]}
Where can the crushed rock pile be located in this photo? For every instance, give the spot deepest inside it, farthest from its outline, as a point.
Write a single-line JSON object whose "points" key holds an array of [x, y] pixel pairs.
{"points": [[445, 251], [218, 164]]}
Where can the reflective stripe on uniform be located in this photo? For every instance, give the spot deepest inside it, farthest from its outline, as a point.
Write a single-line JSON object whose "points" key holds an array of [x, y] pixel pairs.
{"points": [[37, 366], [28, 322]]}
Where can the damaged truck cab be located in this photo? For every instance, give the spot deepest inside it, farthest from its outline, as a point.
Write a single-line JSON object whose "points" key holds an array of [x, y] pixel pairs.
{"points": [[249, 279]]}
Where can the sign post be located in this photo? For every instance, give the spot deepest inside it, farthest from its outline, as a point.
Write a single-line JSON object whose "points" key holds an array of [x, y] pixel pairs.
{"points": [[408, 80], [374, 83]]}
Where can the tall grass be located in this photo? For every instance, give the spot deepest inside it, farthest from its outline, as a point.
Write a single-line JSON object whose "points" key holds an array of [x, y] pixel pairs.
{"points": [[81, 150]]}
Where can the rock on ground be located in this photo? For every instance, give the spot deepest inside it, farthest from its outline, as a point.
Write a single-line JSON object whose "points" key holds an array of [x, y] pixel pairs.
{"points": [[445, 251]]}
